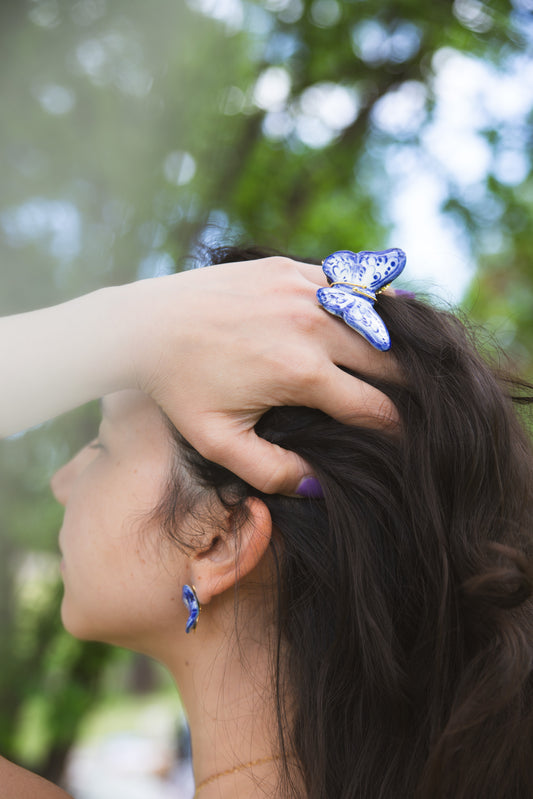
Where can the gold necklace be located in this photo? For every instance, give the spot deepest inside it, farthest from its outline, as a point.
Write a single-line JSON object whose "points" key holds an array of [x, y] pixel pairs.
{"points": [[233, 770]]}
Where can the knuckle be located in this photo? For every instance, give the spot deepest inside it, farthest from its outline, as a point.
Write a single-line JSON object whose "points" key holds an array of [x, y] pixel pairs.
{"points": [[268, 484], [213, 447], [274, 479], [307, 372], [284, 262], [306, 318], [280, 264]]}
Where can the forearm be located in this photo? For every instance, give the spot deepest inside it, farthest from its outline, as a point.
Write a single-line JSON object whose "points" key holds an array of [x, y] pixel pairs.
{"points": [[57, 358], [17, 783]]}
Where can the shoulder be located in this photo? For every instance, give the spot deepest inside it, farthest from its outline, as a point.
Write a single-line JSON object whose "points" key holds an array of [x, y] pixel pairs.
{"points": [[18, 783]]}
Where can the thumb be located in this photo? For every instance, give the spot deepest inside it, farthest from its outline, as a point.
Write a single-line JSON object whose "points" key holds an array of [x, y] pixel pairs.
{"points": [[268, 467]]}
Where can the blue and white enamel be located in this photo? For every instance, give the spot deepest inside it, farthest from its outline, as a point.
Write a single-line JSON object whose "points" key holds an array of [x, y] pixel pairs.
{"points": [[357, 277], [190, 600]]}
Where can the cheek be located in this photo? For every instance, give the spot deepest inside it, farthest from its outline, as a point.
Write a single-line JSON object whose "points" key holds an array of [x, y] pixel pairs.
{"points": [[121, 587], [122, 581], [92, 540], [87, 524], [135, 614], [89, 574]]}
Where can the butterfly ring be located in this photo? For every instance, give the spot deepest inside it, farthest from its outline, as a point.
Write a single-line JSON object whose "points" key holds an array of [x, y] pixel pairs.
{"points": [[355, 278]]}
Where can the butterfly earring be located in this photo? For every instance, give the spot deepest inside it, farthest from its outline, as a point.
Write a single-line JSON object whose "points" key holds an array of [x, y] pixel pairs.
{"points": [[354, 280], [190, 600]]}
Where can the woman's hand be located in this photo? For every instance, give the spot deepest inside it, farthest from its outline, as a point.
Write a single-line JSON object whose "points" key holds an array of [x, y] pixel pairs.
{"points": [[236, 339], [215, 347]]}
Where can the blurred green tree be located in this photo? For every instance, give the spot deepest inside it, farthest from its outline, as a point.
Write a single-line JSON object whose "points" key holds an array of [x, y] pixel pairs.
{"points": [[134, 133]]}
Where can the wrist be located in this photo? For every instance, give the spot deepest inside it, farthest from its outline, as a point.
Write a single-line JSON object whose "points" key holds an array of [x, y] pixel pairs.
{"points": [[120, 318], [150, 315]]}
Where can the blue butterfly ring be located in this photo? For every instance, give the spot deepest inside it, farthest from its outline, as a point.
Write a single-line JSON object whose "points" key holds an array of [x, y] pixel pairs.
{"points": [[355, 278], [190, 600]]}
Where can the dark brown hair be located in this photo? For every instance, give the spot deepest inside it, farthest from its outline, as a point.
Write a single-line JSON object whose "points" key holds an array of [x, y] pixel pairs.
{"points": [[404, 597]]}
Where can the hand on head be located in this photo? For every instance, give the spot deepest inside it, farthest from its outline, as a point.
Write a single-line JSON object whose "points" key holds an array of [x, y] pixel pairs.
{"points": [[215, 347], [239, 338]]}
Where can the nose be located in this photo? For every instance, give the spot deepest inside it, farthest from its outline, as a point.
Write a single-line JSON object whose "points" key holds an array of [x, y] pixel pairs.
{"points": [[63, 480]]}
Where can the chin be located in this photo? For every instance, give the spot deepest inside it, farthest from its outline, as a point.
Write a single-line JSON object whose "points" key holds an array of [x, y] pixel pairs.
{"points": [[81, 628], [73, 625], [78, 625]]}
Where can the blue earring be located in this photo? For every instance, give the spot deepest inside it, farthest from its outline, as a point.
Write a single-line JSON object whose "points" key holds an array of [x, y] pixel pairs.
{"points": [[190, 600]]}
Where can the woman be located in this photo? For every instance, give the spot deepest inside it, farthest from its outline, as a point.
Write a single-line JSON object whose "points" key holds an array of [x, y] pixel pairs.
{"points": [[372, 641], [191, 341]]}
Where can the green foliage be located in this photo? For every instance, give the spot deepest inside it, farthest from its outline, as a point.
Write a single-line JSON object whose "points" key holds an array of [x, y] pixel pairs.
{"points": [[48, 681], [133, 131]]}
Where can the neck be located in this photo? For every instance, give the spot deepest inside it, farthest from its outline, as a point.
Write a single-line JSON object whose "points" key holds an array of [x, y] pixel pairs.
{"points": [[251, 771], [224, 684]]}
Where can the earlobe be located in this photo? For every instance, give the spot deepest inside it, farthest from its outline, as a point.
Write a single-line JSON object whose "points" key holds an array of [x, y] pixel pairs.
{"points": [[235, 552]]}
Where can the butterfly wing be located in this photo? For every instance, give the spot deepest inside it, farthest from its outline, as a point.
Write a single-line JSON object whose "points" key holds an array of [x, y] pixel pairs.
{"points": [[343, 266], [363, 317], [335, 299], [382, 267], [372, 270], [357, 312]]}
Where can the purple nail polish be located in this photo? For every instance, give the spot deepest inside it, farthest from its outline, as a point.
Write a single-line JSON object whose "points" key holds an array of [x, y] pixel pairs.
{"points": [[404, 293], [310, 488]]}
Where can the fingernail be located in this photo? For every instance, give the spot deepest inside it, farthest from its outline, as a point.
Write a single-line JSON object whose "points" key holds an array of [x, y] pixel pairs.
{"points": [[310, 487], [404, 293]]}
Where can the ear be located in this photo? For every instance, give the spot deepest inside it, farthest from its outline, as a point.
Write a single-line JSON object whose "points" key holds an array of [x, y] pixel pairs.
{"points": [[234, 551]]}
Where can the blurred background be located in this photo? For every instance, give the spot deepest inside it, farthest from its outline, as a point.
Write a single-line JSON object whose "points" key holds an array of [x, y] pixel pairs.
{"points": [[133, 133]]}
